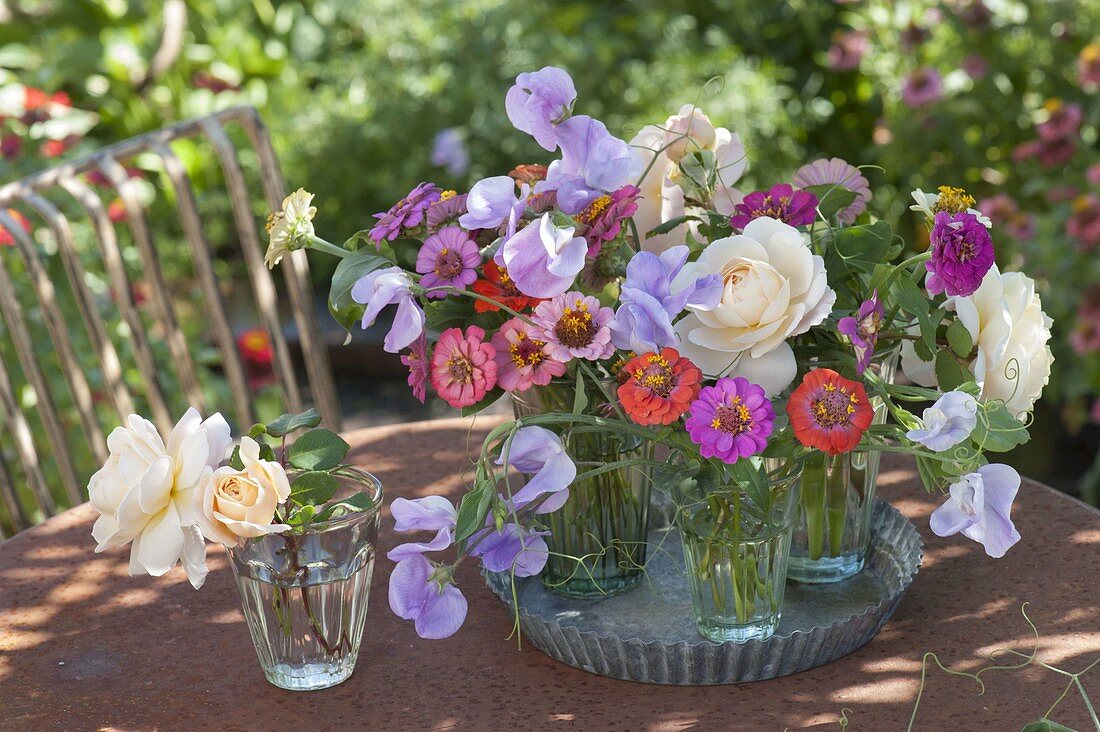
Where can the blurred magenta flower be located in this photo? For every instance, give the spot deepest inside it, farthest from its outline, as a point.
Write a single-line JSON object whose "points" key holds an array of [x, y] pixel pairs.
{"points": [[962, 252], [922, 88], [975, 66], [449, 151], [781, 202], [1088, 66], [539, 102], [979, 506], [390, 286], [847, 50], [1085, 337], [835, 171], [1063, 120], [1084, 220]]}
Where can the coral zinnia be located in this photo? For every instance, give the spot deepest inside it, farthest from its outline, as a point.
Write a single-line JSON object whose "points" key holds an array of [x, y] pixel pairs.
{"points": [[659, 387], [731, 420], [463, 369], [498, 286], [829, 412]]}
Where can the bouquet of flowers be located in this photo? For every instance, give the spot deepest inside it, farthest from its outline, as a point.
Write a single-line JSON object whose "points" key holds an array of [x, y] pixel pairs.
{"points": [[633, 292]]}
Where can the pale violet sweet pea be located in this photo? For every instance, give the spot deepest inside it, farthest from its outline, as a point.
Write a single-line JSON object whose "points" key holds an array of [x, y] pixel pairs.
{"points": [[543, 259], [540, 454], [431, 513], [390, 286], [422, 591], [539, 102], [593, 162], [491, 202], [979, 507], [644, 320], [512, 549], [947, 422]]}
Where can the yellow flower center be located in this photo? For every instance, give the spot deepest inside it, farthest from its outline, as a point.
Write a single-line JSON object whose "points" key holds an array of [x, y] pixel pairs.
{"points": [[834, 407], [656, 375], [733, 418], [447, 194], [953, 200], [526, 351], [593, 210]]}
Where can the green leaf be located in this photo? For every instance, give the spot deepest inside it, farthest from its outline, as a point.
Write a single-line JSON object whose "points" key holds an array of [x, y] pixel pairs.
{"points": [[998, 430], [670, 225], [313, 488], [1046, 725], [267, 453], [863, 248], [752, 480], [959, 338], [257, 430], [288, 423], [350, 270], [580, 396], [914, 302], [949, 372], [302, 516], [235, 461], [473, 510], [318, 450], [353, 503], [490, 398], [831, 198]]}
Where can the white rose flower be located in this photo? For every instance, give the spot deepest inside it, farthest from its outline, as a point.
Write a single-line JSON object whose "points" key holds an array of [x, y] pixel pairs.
{"points": [[146, 492], [1005, 319], [241, 503], [662, 198], [775, 288]]}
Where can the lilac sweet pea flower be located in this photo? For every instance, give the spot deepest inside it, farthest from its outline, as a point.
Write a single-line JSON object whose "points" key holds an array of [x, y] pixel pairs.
{"points": [[431, 513], [449, 151], [390, 286], [511, 548], [539, 102], [644, 320], [543, 259], [539, 453], [491, 202], [979, 507], [423, 592], [947, 422], [593, 162]]}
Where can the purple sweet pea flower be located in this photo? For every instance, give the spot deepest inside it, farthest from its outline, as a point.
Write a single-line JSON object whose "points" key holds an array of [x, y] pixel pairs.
{"points": [[424, 593], [406, 213], [543, 259], [511, 548], [431, 513], [390, 286], [491, 202], [643, 321], [863, 331], [962, 253], [539, 102], [449, 151], [593, 162], [947, 422], [979, 506], [539, 453]]}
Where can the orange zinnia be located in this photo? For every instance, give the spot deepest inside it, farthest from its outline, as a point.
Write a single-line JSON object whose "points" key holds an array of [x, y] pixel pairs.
{"points": [[659, 387], [500, 287], [829, 412]]}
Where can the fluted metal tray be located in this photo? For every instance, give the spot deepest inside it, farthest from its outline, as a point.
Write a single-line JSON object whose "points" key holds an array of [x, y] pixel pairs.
{"points": [[649, 634]]}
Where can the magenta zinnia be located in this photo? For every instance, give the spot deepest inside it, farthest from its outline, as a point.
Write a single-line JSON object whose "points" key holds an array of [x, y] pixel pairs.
{"points": [[573, 325], [522, 360], [782, 202], [604, 216], [731, 420], [962, 252], [448, 258], [406, 213]]}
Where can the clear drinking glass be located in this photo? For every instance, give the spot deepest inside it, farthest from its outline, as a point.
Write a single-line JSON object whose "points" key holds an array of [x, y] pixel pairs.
{"points": [[833, 532], [598, 540], [304, 596], [736, 556]]}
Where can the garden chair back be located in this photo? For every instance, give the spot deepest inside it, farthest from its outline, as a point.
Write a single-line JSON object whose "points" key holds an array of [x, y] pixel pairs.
{"points": [[90, 350]]}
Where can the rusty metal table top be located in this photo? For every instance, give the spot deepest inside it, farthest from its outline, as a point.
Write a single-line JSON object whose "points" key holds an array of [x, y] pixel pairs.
{"points": [[83, 646]]}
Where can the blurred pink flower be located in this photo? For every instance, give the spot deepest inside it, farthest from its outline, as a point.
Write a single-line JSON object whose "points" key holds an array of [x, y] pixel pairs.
{"points": [[1085, 337], [913, 36], [1053, 153], [922, 87], [1084, 223], [1088, 65], [975, 66], [847, 50], [1092, 175], [1063, 120]]}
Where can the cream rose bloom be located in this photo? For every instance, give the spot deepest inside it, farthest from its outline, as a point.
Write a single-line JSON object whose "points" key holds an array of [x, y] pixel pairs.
{"points": [[1005, 319], [774, 288], [146, 492], [241, 503], [662, 198]]}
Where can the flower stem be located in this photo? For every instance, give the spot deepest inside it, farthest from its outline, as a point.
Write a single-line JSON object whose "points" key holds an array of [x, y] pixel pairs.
{"points": [[321, 245]]}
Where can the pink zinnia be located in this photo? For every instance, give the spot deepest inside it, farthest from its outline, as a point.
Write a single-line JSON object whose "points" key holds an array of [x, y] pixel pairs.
{"points": [[604, 216], [522, 361], [836, 172], [449, 258], [417, 361], [922, 87], [573, 325], [1084, 223], [463, 369], [446, 210]]}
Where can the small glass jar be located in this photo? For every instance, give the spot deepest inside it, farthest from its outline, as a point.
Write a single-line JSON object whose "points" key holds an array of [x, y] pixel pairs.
{"points": [[598, 540], [736, 552], [304, 595]]}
